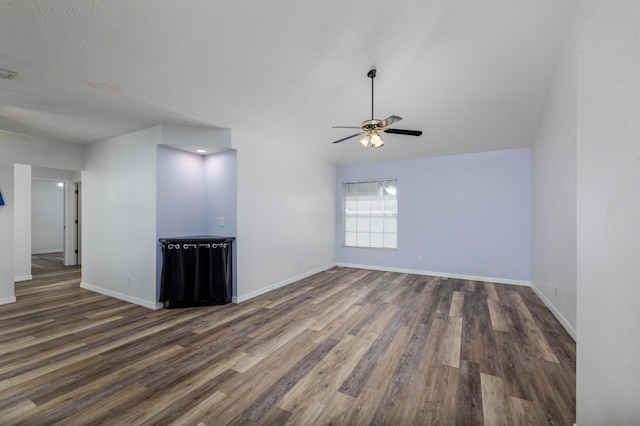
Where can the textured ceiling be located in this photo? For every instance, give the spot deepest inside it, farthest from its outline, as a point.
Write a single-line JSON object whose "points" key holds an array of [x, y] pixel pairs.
{"points": [[472, 75]]}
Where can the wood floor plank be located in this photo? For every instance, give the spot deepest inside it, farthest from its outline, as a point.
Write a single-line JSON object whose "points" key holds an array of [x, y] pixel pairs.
{"points": [[363, 408], [344, 347], [523, 412], [326, 377], [379, 336], [388, 364], [391, 411], [270, 392], [469, 397], [450, 353], [108, 403], [198, 405], [495, 401], [440, 403], [511, 367], [498, 321], [419, 405], [308, 414], [490, 291], [538, 341], [457, 304], [260, 349], [478, 339], [192, 416], [338, 328], [192, 386], [13, 414]]}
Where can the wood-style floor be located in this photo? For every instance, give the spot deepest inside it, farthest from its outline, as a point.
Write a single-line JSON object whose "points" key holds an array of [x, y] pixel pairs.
{"points": [[343, 347]]}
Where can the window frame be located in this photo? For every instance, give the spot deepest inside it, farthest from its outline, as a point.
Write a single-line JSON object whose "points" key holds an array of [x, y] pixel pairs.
{"points": [[381, 183]]}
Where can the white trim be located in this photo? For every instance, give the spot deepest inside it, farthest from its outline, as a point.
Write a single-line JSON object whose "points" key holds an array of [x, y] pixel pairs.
{"points": [[122, 296], [439, 274], [263, 290], [7, 300], [23, 278], [556, 313], [60, 250]]}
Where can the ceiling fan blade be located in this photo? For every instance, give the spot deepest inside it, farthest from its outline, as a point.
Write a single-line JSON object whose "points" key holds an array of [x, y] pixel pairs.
{"points": [[348, 137], [404, 132], [14, 135], [389, 120], [344, 127]]}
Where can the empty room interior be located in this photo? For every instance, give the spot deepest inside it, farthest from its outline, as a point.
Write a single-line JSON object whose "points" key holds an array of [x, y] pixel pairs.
{"points": [[336, 212]]}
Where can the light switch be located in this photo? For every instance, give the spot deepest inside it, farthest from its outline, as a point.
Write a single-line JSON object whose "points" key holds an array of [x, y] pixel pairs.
{"points": [[221, 221]]}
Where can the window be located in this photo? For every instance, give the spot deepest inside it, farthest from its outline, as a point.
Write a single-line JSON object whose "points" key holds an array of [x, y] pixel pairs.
{"points": [[371, 213]]}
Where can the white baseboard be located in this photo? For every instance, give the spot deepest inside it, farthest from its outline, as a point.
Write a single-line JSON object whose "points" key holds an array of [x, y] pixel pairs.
{"points": [[438, 274], [556, 313], [7, 300], [23, 278], [256, 293], [122, 296], [60, 250]]}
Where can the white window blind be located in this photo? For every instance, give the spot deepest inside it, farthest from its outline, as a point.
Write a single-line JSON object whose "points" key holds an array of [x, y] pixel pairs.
{"points": [[371, 213]]}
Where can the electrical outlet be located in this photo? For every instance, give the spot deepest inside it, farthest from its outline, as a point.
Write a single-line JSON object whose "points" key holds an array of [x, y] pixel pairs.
{"points": [[419, 258], [128, 281], [221, 221], [556, 290]]}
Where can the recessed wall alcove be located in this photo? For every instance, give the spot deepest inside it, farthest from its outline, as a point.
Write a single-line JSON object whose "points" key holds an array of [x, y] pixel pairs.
{"points": [[196, 195]]}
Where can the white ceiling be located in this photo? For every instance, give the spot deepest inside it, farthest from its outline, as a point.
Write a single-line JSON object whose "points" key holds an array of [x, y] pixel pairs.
{"points": [[472, 75]]}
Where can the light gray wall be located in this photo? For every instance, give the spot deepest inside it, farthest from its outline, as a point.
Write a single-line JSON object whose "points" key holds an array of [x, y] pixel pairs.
{"points": [[181, 194], [119, 217], [464, 215], [286, 221], [44, 173], [220, 176], [221, 201], [553, 186], [22, 222], [7, 294], [608, 226]]}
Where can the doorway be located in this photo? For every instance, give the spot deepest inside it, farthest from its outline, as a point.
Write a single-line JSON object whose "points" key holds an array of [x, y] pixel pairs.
{"points": [[47, 219], [62, 256], [68, 212]]}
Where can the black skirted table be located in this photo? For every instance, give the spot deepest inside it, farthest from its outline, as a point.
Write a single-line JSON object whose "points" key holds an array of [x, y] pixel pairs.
{"points": [[196, 271]]}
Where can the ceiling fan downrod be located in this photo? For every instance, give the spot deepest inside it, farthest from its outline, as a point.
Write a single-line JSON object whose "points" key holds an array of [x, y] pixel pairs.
{"points": [[372, 74]]}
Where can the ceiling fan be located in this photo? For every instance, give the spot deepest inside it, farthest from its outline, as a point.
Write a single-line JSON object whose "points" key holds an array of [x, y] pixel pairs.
{"points": [[371, 129]]}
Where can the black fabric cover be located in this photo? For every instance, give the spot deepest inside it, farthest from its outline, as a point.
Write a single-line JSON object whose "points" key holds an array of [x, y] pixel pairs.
{"points": [[196, 271]]}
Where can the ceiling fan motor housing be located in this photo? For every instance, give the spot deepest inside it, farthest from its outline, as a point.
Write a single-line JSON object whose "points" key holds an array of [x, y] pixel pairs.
{"points": [[371, 124]]}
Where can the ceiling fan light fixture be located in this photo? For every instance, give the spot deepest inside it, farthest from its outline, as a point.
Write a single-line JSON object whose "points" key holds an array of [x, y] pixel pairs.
{"points": [[376, 140], [365, 141]]}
